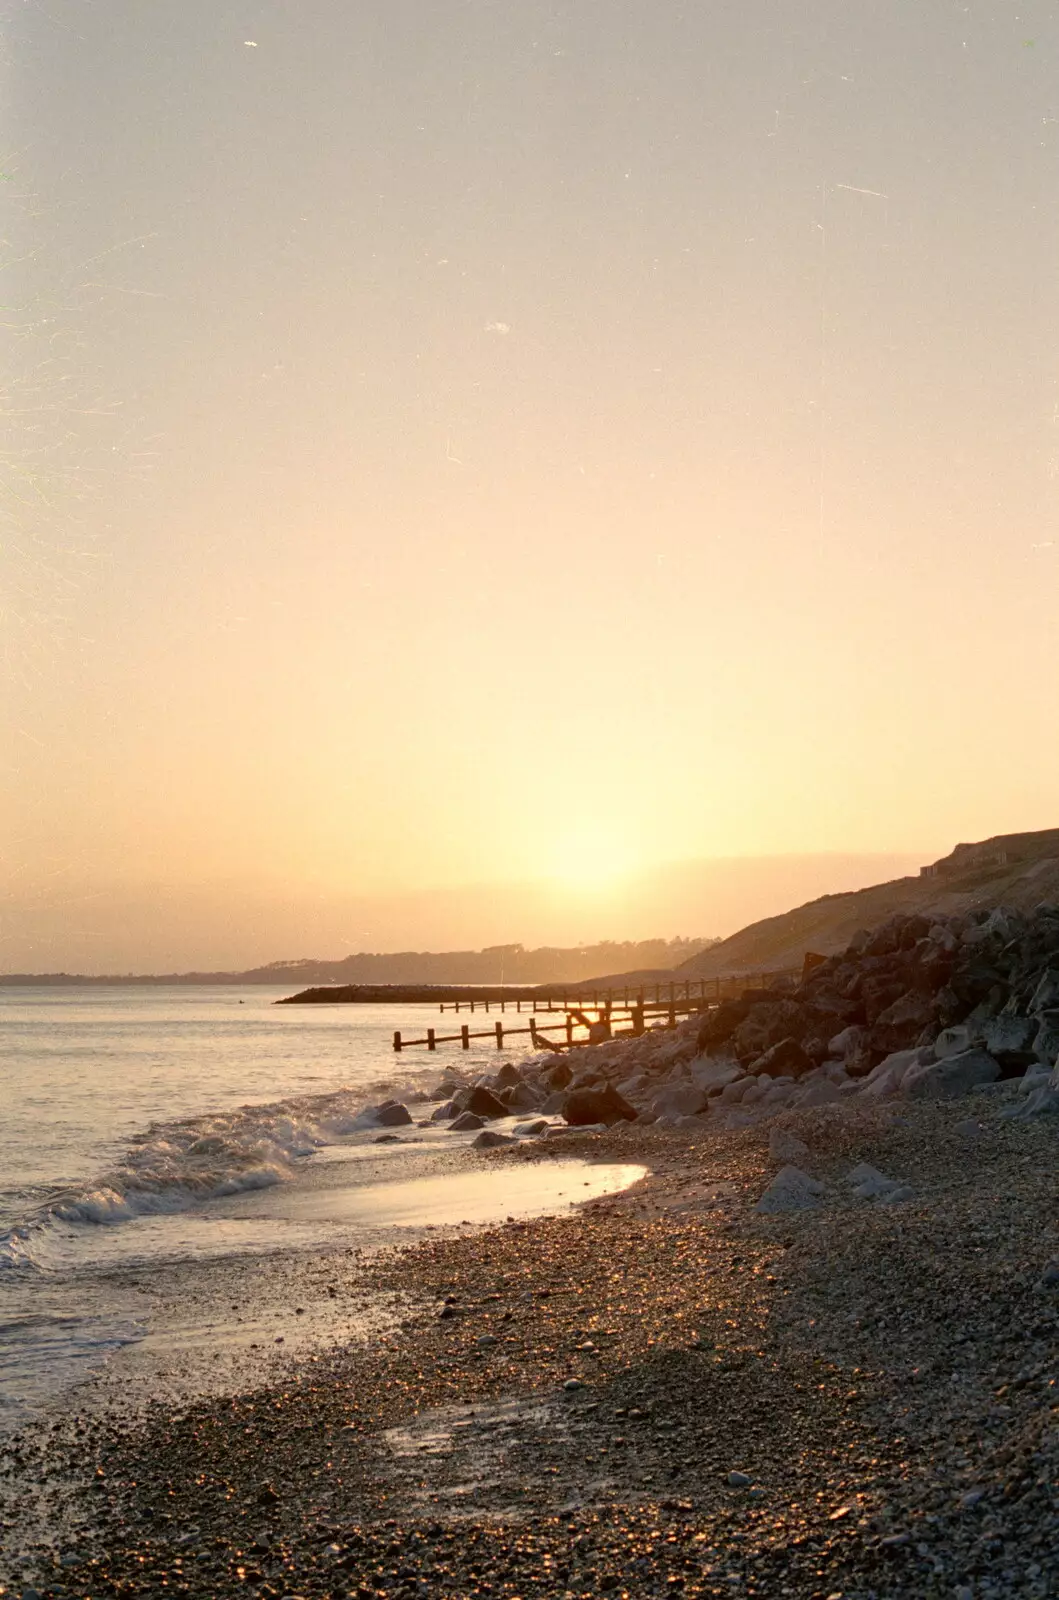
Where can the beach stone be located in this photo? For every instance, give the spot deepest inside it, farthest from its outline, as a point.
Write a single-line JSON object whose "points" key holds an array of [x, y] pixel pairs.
{"points": [[787, 1056], [392, 1114], [886, 1078], [739, 1480], [507, 1077], [1049, 1278], [953, 1075], [734, 1090], [897, 1195], [466, 1122], [790, 1190], [530, 1130], [1006, 1033], [954, 1041], [584, 1106], [553, 1106], [786, 1147], [573, 1384], [480, 1101], [820, 1093], [1046, 1039], [444, 1113], [1046, 995], [489, 1139], [869, 1183], [712, 1073], [682, 1100], [521, 1098]]}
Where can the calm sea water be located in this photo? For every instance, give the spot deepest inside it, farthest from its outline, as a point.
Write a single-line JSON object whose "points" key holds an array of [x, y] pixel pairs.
{"points": [[129, 1118]]}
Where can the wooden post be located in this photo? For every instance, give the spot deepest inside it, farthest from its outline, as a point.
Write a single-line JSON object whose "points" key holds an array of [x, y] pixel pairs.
{"points": [[687, 991], [465, 1036], [397, 1041], [569, 1028], [533, 1032], [487, 1005], [500, 1035], [457, 1007], [672, 1016], [431, 1041], [503, 1003]]}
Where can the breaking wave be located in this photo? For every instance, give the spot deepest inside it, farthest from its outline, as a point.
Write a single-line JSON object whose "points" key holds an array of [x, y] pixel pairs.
{"points": [[174, 1165]]}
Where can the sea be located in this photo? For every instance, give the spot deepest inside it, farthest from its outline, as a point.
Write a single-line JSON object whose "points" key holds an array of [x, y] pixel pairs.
{"points": [[162, 1147]]}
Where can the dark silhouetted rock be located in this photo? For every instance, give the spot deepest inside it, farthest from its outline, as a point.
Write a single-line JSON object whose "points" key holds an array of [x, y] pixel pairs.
{"points": [[582, 1107], [392, 1114], [466, 1122], [787, 1058], [481, 1101]]}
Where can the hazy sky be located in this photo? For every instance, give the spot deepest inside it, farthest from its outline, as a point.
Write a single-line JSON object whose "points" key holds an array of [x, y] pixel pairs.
{"points": [[454, 442]]}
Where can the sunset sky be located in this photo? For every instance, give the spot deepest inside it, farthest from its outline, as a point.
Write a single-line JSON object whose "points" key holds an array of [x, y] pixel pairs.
{"points": [[469, 454]]}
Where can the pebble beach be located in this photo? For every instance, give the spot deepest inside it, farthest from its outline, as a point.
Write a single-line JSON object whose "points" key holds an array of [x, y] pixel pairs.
{"points": [[668, 1392]]}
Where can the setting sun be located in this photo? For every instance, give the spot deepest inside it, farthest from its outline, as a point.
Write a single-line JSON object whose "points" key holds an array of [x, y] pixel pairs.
{"points": [[591, 856]]}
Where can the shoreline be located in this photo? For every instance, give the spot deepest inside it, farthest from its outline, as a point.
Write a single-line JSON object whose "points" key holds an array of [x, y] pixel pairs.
{"points": [[883, 1376]]}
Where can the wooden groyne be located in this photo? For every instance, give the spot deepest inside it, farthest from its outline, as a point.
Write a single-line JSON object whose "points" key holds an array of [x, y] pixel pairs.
{"points": [[637, 1008]]}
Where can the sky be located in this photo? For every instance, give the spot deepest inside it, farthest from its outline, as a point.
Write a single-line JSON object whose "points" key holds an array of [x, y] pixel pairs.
{"points": [[479, 456]]}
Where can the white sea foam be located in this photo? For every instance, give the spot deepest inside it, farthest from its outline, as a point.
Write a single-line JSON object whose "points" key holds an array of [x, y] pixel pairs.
{"points": [[182, 1163]]}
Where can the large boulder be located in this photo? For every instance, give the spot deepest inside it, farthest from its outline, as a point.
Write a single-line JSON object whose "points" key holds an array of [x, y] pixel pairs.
{"points": [[954, 1075], [787, 1058], [479, 1100], [680, 1100], [582, 1107], [466, 1122], [507, 1077], [391, 1114], [559, 1076], [1046, 1039], [520, 1098]]}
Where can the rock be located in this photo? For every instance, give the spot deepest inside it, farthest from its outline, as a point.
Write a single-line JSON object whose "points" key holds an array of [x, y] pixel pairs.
{"points": [[819, 1093], [1049, 1278], [1046, 995], [734, 1091], [783, 1146], [465, 1122], [1007, 1033], [887, 1077], [584, 1106], [869, 1183], [739, 1480], [553, 1106], [486, 1339], [787, 1056], [530, 1130], [392, 1114], [507, 1077], [573, 1384], [848, 1041], [911, 1011], [1046, 1039], [387, 1138], [712, 1073], [790, 1190], [444, 1113], [954, 1075], [559, 1076], [680, 1100], [445, 1090], [954, 1041], [897, 1196], [521, 1098], [489, 1139], [479, 1100]]}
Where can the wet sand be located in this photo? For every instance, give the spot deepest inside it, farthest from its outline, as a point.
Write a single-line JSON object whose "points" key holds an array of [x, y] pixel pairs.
{"points": [[664, 1393]]}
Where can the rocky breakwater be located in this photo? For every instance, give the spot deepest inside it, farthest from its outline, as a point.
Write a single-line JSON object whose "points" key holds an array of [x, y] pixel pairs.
{"points": [[921, 1008]]}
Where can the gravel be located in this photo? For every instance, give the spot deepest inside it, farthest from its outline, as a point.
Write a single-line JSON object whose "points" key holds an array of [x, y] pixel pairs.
{"points": [[592, 1415]]}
